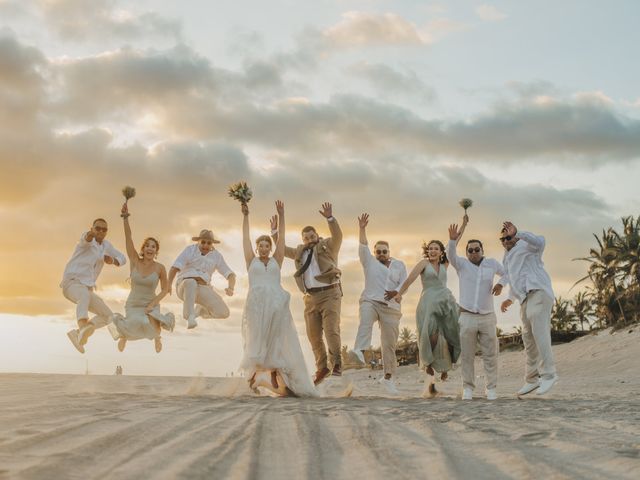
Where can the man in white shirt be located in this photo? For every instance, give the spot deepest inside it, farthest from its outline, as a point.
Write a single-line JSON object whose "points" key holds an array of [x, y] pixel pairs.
{"points": [[530, 284], [79, 281], [381, 274], [477, 317], [194, 267]]}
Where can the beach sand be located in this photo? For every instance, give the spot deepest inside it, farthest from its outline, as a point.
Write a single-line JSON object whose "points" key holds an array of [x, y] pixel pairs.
{"points": [[65, 426]]}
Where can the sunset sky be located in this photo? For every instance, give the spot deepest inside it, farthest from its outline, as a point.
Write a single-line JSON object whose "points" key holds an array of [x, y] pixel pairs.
{"points": [[396, 108]]}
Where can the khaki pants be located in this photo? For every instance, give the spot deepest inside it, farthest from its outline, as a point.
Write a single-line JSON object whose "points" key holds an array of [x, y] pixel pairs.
{"points": [[535, 313], [191, 294], [389, 321], [322, 314], [87, 301], [479, 329]]}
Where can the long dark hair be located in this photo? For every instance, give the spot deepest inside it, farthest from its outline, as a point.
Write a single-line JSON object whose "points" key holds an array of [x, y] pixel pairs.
{"points": [[425, 250]]}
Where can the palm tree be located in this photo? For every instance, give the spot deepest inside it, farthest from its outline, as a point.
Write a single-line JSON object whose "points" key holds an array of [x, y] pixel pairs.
{"points": [[406, 336], [583, 309], [628, 245], [604, 273], [561, 316]]}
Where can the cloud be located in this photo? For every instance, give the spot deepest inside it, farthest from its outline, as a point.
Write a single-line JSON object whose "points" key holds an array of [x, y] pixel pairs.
{"points": [[72, 20], [12, 8], [390, 83], [357, 29], [19, 64], [179, 97], [490, 13]]}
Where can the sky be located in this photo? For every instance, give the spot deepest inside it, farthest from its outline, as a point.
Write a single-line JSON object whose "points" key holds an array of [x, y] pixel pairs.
{"points": [[395, 108]]}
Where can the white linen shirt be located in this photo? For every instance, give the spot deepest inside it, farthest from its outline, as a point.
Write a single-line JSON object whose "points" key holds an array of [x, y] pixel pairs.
{"points": [[87, 261], [476, 281], [310, 274], [378, 277], [192, 263], [525, 269]]}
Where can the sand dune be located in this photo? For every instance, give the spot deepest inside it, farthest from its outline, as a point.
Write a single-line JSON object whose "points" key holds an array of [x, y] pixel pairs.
{"points": [[63, 426]]}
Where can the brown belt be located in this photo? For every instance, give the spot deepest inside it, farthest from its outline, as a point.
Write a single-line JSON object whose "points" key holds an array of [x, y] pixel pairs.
{"points": [[322, 289], [464, 310], [199, 281]]}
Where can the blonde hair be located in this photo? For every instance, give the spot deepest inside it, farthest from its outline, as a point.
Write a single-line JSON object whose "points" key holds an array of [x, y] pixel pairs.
{"points": [[149, 239], [264, 238]]}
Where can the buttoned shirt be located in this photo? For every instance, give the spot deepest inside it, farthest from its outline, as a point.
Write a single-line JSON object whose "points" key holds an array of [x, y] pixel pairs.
{"points": [[87, 261], [525, 268], [192, 263], [476, 281], [378, 277], [312, 272]]}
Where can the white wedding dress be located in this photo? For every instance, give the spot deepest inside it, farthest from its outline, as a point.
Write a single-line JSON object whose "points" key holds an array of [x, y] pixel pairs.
{"points": [[269, 335]]}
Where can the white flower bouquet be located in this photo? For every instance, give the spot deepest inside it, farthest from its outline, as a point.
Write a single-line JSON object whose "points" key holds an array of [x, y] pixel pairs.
{"points": [[240, 191]]}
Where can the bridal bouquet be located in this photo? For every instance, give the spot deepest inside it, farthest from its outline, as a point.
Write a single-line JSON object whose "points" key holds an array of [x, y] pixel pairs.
{"points": [[129, 193], [240, 191], [466, 203]]}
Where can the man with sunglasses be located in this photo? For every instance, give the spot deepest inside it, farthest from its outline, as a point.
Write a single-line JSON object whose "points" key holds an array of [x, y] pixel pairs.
{"points": [[195, 266], [79, 281], [477, 316], [382, 274], [530, 284]]}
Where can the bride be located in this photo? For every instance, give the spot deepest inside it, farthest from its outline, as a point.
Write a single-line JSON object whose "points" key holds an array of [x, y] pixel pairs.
{"points": [[272, 355]]}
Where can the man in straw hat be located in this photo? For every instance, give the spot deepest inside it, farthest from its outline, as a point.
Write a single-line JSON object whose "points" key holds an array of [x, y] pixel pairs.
{"points": [[194, 267]]}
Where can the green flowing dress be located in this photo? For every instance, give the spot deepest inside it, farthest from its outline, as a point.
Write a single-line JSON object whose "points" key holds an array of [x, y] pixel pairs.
{"points": [[437, 315]]}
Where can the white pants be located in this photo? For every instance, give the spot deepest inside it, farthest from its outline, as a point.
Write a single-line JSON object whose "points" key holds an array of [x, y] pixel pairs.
{"points": [[535, 313], [191, 294], [389, 321], [87, 301], [480, 329]]}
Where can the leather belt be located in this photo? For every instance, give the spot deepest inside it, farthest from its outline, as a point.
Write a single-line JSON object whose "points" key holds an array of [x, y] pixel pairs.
{"points": [[464, 310], [322, 289]]}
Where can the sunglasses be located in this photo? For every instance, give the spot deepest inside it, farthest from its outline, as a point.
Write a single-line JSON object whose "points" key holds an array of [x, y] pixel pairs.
{"points": [[508, 238], [101, 229], [474, 250], [206, 242], [382, 252]]}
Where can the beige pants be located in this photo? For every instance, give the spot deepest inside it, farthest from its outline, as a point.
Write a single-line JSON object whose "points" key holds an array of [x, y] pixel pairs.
{"points": [[535, 313], [191, 294], [322, 314], [87, 301], [479, 329], [389, 321]]}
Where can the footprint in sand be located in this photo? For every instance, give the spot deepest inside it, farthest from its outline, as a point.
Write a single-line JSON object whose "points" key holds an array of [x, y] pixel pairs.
{"points": [[532, 436]]}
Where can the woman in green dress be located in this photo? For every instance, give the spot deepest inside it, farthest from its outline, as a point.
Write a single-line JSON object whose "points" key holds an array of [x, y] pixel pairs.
{"points": [[143, 318], [437, 314]]}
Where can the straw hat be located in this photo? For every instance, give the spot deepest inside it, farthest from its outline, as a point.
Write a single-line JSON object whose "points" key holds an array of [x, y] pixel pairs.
{"points": [[205, 235]]}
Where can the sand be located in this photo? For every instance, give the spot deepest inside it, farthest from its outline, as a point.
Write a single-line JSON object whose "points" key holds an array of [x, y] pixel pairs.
{"points": [[65, 426]]}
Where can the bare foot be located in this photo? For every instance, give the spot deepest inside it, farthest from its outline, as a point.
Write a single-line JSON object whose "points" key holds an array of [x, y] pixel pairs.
{"points": [[158, 343], [122, 343], [430, 370], [430, 391]]}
